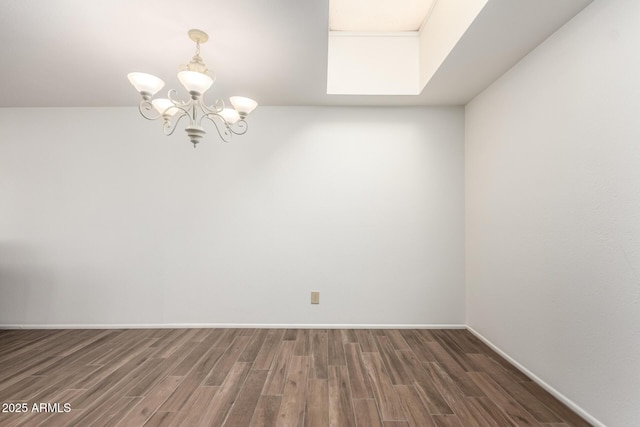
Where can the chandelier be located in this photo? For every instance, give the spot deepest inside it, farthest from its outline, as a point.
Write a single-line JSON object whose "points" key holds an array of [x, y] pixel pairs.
{"points": [[196, 79]]}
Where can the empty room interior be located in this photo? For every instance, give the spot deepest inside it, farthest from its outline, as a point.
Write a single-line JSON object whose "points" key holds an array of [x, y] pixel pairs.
{"points": [[371, 213]]}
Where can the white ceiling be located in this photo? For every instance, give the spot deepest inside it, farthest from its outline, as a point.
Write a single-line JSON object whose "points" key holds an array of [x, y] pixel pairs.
{"points": [[78, 52]]}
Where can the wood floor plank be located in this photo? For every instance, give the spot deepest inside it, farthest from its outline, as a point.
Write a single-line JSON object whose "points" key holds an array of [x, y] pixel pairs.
{"points": [[141, 412], [303, 343], [482, 411], [201, 334], [180, 398], [470, 415], [213, 337], [119, 365], [21, 369], [247, 400], [225, 339], [506, 403], [25, 355], [366, 340], [366, 412], [206, 364], [253, 347], [219, 408], [276, 379], [359, 381], [194, 410], [181, 339], [112, 383], [191, 360], [415, 410], [60, 420], [320, 355], [266, 413], [221, 369], [181, 395], [348, 336], [22, 390], [268, 351], [340, 402], [335, 348], [425, 386], [483, 348], [392, 362], [160, 419], [62, 380], [467, 342], [117, 412], [555, 405], [385, 395], [539, 410], [397, 340], [447, 421], [155, 375], [454, 370], [418, 345], [292, 405], [395, 424], [317, 405], [453, 349], [83, 351], [290, 335]]}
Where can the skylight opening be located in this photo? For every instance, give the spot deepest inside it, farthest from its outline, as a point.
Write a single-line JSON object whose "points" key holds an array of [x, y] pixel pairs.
{"points": [[378, 15], [382, 47]]}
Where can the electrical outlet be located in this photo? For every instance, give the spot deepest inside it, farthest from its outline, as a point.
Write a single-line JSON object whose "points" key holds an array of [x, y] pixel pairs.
{"points": [[315, 297]]}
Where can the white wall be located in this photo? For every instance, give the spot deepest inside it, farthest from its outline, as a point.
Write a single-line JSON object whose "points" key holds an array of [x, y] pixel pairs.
{"points": [[553, 212], [372, 63], [104, 220]]}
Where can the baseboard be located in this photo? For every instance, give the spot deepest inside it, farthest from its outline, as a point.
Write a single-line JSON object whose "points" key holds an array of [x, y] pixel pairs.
{"points": [[235, 326], [561, 397]]}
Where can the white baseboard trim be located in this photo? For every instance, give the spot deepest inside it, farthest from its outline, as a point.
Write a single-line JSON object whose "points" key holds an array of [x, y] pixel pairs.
{"points": [[235, 326], [561, 397]]}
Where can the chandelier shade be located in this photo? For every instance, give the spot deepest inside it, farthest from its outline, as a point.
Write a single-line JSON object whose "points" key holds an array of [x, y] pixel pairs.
{"points": [[230, 115], [145, 83], [197, 80], [163, 106], [243, 105]]}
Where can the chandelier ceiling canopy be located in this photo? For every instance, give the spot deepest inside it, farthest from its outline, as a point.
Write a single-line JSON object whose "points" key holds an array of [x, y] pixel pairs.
{"points": [[196, 79]]}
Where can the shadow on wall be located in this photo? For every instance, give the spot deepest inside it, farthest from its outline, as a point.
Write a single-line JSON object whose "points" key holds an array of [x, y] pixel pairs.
{"points": [[25, 286]]}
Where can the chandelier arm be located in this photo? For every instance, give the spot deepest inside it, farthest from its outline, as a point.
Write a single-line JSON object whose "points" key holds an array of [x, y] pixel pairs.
{"points": [[177, 102], [241, 125], [225, 133], [170, 127], [215, 108], [148, 107]]}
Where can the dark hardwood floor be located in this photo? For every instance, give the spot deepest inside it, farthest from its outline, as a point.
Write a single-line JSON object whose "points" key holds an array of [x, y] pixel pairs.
{"points": [[264, 377]]}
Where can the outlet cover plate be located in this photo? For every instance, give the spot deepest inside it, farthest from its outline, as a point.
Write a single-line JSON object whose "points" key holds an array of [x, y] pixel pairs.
{"points": [[315, 297]]}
